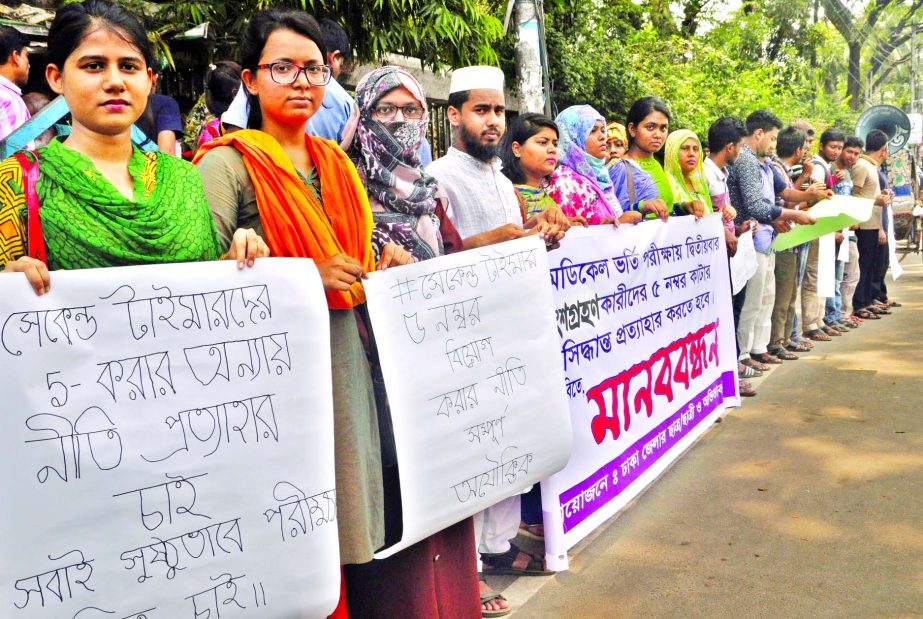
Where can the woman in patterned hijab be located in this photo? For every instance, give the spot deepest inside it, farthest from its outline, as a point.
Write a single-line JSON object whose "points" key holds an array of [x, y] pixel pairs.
{"points": [[406, 203]]}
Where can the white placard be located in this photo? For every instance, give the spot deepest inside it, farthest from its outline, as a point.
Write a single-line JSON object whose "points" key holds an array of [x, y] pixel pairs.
{"points": [[743, 262], [826, 266], [842, 254], [168, 443], [470, 358], [649, 356], [896, 269]]}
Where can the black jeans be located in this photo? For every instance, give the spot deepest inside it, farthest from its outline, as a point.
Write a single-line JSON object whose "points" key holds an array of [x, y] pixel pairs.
{"points": [[884, 261], [869, 267]]}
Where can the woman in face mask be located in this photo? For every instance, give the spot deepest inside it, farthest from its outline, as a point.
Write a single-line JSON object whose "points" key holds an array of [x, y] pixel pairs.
{"points": [[436, 577], [408, 207]]}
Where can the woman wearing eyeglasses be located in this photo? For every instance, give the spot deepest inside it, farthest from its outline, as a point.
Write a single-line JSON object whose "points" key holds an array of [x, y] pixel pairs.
{"points": [[436, 577], [304, 196]]}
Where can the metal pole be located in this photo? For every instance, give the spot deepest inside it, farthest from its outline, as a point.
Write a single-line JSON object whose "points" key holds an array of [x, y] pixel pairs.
{"points": [[913, 68]]}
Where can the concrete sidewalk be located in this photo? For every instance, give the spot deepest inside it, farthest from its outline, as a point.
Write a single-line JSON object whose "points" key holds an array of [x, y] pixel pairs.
{"points": [[806, 502]]}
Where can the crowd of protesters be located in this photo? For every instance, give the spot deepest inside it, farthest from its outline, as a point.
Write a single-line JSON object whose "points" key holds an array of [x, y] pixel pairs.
{"points": [[288, 163]]}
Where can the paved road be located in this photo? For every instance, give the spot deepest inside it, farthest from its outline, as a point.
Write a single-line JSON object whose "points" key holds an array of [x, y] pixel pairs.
{"points": [[806, 502]]}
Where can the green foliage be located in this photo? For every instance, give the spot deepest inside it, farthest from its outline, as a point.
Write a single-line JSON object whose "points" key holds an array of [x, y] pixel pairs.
{"points": [[439, 32], [767, 56]]}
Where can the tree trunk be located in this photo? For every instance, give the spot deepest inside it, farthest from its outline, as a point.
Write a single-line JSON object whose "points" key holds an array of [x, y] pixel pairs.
{"points": [[854, 78]]}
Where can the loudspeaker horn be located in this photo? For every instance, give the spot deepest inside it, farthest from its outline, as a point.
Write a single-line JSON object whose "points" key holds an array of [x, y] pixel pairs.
{"points": [[889, 119]]}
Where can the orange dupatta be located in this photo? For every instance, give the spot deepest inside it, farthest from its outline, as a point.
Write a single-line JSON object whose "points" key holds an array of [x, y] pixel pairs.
{"points": [[295, 223]]}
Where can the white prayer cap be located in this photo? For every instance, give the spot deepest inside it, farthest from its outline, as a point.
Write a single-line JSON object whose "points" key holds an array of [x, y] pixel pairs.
{"points": [[473, 78]]}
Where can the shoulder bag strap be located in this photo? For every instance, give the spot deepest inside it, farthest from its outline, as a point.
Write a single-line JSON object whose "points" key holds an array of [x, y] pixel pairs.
{"points": [[35, 238], [629, 176]]}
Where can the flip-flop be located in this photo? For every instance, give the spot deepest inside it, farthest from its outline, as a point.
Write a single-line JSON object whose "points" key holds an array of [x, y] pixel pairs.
{"points": [[756, 365], [783, 354], [490, 597], [746, 390], [817, 335]]}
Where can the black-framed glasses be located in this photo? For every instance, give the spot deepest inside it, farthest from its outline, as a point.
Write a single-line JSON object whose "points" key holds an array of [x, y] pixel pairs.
{"points": [[286, 73], [387, 111]]}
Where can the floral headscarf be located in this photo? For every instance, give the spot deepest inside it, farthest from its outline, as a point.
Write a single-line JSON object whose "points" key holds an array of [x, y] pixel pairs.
{"points": [[674, 172], [402, 196], [574, 125]]}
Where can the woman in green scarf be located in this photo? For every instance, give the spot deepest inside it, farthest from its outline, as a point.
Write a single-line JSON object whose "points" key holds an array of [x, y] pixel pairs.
{"points": [[104, 202], [685, 172], [648, 123]]}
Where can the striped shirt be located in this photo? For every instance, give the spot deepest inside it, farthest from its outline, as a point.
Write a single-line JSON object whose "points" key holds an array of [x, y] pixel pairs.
{"points": [[13, 111]]}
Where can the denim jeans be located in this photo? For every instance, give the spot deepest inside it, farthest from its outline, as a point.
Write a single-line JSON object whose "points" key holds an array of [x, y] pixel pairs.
{"points": [[834, 306], [802, 269]]}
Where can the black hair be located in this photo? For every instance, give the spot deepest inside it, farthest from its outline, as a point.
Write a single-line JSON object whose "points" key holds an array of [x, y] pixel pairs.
{"points": [[876, 140], [457, 99], [11, 40], [853, 141], [254, 40], [790, 140], [335, 38], [832, 134], [520, 130], [72, 23], [724, 131], [221, 85], [762, 119], [642, 108]]}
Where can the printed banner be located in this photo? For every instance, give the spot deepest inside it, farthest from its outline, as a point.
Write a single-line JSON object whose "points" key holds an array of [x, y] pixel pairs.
{"points": [[648, 351], [168, 444], [470, 358]]}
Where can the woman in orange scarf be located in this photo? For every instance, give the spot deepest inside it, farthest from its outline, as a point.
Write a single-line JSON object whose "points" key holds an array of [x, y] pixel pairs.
{"points": [[304, 196]]}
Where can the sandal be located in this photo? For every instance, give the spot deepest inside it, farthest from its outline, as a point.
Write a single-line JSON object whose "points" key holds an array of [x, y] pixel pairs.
{"points": [[865, 314], [491, 596], [532, 531], [817, 335], [745, 371], [877, 309], [849, 324], [746, 389], [513, 562], [756, 365], [783, 354], [831, 331], [839, 327], [794, 346], [895, 304], [765, 357]]}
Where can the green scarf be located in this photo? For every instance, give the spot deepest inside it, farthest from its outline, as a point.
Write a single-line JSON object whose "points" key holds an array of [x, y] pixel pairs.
{"points": [[681, 192], [87, 223], [535, 200], [652, 167]]}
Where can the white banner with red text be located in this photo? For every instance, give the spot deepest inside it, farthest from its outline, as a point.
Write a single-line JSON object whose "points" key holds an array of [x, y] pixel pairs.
{"points": [[648, 351]]}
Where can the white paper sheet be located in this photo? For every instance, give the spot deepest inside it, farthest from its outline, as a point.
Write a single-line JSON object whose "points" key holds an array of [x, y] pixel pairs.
{"points": [[842, 254], [470, 357], [743, 263], [168, 444], [826, 266], [896, 269], [650, 358]]}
